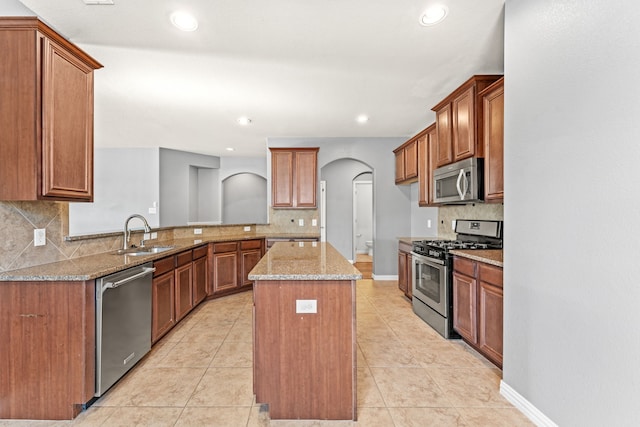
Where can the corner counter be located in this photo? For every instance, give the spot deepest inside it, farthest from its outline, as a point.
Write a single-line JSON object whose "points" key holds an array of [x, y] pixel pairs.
{"points": [[304, 350]]}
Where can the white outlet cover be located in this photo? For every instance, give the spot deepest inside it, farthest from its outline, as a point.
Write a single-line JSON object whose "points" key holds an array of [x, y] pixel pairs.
{"points": [[314, 222], [197, 231], [39, 237], [308, 306], [247, 228], [301, 222]]}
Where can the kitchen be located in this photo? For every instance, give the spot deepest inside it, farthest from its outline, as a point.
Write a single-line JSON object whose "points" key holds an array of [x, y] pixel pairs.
{"points": [[575, 337]]}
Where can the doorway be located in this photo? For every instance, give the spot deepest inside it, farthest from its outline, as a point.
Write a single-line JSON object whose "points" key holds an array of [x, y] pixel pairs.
{"points": [[363, 223]]}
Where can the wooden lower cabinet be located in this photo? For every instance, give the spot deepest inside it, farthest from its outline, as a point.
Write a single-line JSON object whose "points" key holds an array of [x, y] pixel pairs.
{"points": [[405, 273], [47, 349], [179, 284], [478, 306], [232, 262], [184, 284]]}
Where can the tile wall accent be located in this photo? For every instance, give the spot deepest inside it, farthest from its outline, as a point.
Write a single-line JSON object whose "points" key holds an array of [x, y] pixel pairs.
{"points": [[446, 214], [19, 219]]}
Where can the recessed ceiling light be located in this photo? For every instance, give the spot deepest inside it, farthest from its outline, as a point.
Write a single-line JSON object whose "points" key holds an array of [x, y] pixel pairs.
{"points": [[184, 21], [433, 15], [244, 121], [231, 149], [362, 119]]}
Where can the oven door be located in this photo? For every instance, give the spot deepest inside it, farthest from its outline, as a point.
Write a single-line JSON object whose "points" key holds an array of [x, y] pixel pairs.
{"points": [[430, 282]]}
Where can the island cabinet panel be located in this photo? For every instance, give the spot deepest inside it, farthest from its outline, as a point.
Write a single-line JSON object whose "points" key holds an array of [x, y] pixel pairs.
{"points": [[47, 350], [305, 363]]}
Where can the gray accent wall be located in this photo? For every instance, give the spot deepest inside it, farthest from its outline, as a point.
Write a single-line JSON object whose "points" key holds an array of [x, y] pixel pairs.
{"points": [[125, 182], [572, 151], [244, 199], [392, 210], [181, 187]]}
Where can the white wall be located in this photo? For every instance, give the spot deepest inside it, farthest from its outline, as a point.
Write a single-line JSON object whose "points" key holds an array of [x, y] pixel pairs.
{"points": [[572, 150]]}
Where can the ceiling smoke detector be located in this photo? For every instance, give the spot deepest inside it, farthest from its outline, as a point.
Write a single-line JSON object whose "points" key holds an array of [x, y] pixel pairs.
{"points": [[184, 21], [433, 15]]}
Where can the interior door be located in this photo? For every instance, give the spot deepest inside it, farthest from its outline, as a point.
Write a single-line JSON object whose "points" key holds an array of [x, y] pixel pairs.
{"points": [[362, 216]]}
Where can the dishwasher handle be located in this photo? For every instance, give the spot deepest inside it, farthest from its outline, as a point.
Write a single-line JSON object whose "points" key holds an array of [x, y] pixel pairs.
{"points": [[112, 285]]}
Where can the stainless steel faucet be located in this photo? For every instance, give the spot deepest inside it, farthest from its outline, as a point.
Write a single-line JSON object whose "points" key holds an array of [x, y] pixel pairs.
{"points": [[127, 232]]}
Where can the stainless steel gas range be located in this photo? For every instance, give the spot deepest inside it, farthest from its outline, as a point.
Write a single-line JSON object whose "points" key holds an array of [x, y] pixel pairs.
{"points": [[432, 265]]}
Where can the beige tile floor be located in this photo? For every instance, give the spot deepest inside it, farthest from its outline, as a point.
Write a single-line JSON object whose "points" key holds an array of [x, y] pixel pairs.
{"points": [[200, 374]]}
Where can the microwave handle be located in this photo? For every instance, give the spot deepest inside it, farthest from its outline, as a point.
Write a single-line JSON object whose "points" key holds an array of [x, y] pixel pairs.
{"points": [[460, 192]]}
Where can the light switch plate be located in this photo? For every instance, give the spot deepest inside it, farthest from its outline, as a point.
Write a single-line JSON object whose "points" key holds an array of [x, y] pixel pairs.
{"points": [[247, 228], [314, 222], [306, 306], [301, 222], [197, 231]]}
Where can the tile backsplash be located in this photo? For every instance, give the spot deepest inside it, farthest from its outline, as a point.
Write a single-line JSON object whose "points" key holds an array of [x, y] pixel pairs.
{"points": [[18, 220], [447, 214]]}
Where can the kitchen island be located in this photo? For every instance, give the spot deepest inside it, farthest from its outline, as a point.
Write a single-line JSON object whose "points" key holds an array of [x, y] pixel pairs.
{"points": [[304, 363]]}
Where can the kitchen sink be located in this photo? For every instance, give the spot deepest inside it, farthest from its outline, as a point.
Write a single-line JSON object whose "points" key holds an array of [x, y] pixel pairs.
{"points": [[145, 250]]}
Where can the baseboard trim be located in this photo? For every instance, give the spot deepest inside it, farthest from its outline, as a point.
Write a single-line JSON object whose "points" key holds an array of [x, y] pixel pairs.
{"points": [[381, 277], [533, 413]]}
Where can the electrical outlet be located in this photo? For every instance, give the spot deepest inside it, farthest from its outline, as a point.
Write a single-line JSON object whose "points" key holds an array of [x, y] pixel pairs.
{"points": [[306, 306], [197, 231], [154, 235], [146, 236], [39, 237], [152, 211], [247, 228], [301, 222], [453, 225], [195, 242], [314, 222]]}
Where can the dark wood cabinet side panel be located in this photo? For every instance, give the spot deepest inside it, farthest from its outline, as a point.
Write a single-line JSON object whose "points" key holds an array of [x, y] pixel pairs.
{"points": [[47, 357]]}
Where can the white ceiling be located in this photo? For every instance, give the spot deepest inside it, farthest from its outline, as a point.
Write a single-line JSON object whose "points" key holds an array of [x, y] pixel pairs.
{"points": [[297, 68]]}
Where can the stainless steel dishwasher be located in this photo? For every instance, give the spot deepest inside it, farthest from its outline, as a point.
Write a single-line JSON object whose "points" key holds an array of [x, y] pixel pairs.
{"points": [[123, 323]]}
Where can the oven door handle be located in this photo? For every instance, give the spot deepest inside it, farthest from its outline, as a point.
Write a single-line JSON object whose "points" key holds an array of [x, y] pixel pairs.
{"points": [[425, 260]]}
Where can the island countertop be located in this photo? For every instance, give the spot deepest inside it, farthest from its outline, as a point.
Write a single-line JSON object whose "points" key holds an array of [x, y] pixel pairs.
{"points": [[304, 261]]}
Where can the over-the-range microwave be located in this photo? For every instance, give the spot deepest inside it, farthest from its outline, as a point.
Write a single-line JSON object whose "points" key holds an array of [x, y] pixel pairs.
{"points": [[460, 182]]}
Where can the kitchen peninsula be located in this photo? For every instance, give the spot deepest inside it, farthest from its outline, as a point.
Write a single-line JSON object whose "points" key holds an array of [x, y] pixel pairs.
{"points": [[304, 363]]}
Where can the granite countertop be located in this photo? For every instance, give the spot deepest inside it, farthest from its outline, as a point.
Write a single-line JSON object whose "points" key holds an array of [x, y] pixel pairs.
{"points": [[410, 240], [489, 256], [98, 265], [304, 261]]}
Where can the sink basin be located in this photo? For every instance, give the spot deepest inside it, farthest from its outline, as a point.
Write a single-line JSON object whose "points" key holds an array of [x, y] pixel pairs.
{"points": [[147, 250]]}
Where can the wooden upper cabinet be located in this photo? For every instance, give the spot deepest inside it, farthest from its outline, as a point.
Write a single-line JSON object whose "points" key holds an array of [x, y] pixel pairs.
{"points": [[493, 112], [459, 124], [426, 162], [46, 114], [294, 177], [444, 146], [407, 161]]}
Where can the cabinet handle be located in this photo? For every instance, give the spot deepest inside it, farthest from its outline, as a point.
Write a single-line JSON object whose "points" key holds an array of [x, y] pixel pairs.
{"points": [[460, 192]]}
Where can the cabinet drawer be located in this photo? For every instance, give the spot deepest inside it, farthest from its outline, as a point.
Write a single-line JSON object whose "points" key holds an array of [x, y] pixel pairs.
{"points": [[251, 244], [162, 266], [225, 247], [184, 258], [200, 252], [464, 266], [491, 274]]}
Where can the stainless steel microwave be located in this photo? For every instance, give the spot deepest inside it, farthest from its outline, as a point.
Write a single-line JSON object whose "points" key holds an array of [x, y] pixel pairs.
{"points": [[460, 182]]}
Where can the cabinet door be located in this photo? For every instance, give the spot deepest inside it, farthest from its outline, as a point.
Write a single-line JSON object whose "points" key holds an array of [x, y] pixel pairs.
{"points": [[399, 166], [225, 271], [248, 260], [444, 147], [411, 160], [199, 280], [282, 178], [490, 322], [425, 169], [465, 320], [67, 124], [493, 112], [305, 179], [162, 307], [402, 271], [184, 294], [464, 126]]}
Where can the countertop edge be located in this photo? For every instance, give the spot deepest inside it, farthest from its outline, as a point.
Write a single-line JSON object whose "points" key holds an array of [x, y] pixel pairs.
{"points": [[488, 256]]}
